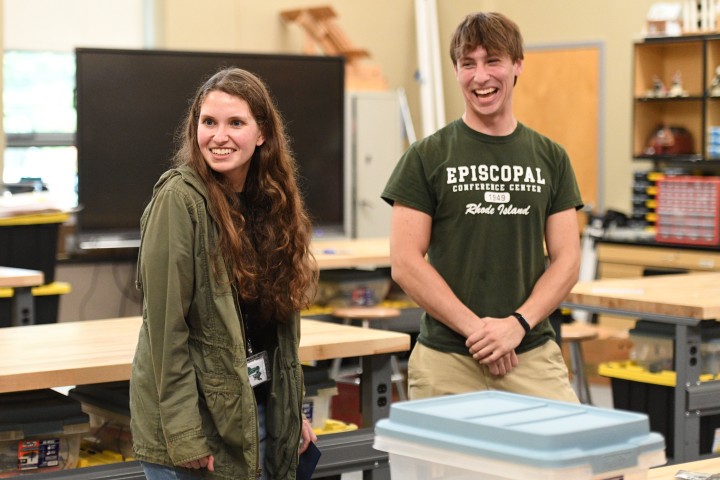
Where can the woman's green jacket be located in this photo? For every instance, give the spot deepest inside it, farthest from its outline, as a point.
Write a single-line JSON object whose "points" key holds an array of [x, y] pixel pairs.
{"points": [[190, 395]]}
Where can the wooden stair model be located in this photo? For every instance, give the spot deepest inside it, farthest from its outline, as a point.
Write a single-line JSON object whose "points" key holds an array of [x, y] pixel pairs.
{"points": [[321, 30]]}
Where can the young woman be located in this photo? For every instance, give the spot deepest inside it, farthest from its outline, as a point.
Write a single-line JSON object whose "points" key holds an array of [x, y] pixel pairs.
{"points": [[224, 267]]}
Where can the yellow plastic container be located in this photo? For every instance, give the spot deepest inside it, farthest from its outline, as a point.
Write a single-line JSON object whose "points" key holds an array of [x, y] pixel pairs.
{"points": [[89, 457], [47, 302], [334, 426]]}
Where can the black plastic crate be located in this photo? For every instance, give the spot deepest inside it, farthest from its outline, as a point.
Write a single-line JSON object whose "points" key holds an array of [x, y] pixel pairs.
{"points": [[112, 396], [658, 403], [32, 246]]}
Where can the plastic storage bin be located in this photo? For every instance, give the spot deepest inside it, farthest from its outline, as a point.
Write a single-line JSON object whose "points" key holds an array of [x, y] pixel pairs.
{"points": [[500, 436], [636, 389], [345, 288], [710, 355], [688, 210], [319, 391], [654, 346], [40, 431], [46, 298], [108, 408]]}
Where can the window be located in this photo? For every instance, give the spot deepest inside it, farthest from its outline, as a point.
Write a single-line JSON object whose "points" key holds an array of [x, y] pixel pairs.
{"points": [[39, 79], [40, 121]]}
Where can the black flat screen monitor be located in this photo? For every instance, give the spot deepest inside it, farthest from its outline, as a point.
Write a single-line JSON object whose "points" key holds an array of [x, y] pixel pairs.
{"points": [[130, 104]]}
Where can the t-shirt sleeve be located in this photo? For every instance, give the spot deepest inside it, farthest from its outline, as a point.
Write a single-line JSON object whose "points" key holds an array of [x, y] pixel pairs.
{"points": [[568, 192], [408, 184]]}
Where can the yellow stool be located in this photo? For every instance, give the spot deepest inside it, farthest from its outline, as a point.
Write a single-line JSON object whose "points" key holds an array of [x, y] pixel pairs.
{"points": [[575, 334], [366, 315]]}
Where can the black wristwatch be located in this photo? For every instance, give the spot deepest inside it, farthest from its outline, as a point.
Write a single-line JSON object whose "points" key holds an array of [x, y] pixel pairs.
{"points": [[522, 321]]}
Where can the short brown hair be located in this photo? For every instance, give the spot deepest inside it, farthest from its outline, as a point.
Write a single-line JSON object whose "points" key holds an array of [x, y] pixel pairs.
{"points": [[493, 31]]}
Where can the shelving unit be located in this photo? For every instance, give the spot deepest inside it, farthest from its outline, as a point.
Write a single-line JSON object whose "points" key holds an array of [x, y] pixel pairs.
{"points": [[695, 59]]}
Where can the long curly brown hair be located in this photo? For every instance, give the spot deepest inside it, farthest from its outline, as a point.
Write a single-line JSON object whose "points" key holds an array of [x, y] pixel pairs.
{"points": [[270, 262]]}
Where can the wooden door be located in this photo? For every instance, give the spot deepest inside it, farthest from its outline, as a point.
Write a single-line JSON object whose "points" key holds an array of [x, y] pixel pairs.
{"points": [[558, 94]]}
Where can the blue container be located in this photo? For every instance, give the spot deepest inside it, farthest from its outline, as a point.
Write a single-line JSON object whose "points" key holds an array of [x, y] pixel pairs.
{"points": [[508, 436]]}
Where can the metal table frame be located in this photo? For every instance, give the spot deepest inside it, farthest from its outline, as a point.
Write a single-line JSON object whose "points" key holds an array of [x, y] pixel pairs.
{"points": [[693, 399]]}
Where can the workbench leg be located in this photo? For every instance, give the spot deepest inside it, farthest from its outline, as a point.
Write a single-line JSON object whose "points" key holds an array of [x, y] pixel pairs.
{"points": [[380, 473], [687, 367], [375, 399], [23, 307], [375, 388]]}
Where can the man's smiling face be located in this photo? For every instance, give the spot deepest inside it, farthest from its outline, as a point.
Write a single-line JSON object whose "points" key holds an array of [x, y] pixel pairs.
{"points": [[487, 80]]}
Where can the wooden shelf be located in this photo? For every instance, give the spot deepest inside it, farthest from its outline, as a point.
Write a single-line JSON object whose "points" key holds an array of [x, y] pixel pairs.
{"points": [[694, 59]]}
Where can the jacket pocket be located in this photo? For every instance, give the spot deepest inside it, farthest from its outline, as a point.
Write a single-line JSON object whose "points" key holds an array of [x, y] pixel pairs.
{"points": [[231, 410]]}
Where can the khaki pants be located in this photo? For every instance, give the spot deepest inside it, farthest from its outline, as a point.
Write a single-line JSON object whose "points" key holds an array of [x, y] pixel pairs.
{"points": [[541, 372]]}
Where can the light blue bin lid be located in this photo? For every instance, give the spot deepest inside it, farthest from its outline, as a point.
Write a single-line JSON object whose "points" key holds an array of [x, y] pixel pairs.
{"points": [[521, 429]]}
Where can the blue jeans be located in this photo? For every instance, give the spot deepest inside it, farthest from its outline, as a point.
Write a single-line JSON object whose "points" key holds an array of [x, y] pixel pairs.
{"points": [[262, 432], [154, 471]]}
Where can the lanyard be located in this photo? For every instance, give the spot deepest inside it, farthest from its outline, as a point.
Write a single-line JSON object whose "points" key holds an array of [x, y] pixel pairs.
{"points": [[246, 317]]}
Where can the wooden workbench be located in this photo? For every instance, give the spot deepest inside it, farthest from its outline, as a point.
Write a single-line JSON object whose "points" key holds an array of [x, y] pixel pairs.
{"points": [[684, 300], [711, 465], [695, 296], [351, 253], [20, 277], [95, 351]]}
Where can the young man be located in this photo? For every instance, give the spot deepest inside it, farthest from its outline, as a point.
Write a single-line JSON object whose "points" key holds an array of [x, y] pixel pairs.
{"points": [[473, 206]]}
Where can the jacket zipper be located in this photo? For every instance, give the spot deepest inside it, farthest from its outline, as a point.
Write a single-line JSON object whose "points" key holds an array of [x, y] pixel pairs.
{"points": [[241, 319]]}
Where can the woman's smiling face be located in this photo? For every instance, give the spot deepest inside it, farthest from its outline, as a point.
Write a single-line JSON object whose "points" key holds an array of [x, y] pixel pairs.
{"points": [[228, 135]]}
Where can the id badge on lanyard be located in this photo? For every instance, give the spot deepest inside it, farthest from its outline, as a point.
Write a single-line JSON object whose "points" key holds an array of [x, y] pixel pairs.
{"points": [[258, 367]]}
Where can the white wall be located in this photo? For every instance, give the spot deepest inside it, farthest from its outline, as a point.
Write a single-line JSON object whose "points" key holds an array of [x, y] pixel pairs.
{"points": [[62, 25], [103, 289]]}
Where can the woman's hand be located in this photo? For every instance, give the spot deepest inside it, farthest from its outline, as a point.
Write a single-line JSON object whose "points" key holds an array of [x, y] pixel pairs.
{"points": [[204, 462], [306, 436]]}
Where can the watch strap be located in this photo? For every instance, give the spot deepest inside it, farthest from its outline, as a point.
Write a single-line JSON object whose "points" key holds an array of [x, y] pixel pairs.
{"points": [[524, 323]]}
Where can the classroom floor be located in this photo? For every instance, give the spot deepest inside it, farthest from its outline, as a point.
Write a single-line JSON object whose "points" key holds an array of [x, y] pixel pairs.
{"points": [[601, 396]]}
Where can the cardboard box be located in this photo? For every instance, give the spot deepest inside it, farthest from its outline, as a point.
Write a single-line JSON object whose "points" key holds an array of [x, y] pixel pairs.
{"points": [[502, 436]]}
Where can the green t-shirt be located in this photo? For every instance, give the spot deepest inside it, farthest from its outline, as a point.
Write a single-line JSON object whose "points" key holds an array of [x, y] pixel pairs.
{"points": [[489, 198]]}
